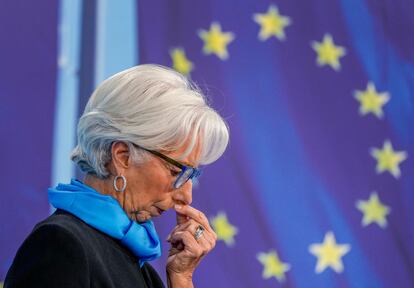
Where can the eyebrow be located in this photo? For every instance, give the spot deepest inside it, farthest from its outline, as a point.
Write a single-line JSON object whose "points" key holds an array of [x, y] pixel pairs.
{"points": [[161, 155], [188, 164], [185, 163]]}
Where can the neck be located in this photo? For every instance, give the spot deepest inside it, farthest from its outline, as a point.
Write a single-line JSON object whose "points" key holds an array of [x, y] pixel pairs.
{"points": [[104, 186]]}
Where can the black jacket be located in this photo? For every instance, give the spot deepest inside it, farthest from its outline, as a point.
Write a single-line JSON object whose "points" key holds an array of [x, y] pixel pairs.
{"points": [[63, 251]]}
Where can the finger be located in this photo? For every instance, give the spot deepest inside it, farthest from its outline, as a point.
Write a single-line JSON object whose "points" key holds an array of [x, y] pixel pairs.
{"points": [[206, 243], [207, 240], [191, 226], [190, 245], [181, 218], [181, 227], [183, 211]]}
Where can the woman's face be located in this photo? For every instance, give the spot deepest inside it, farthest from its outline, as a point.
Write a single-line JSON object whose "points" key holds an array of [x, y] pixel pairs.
{"points": [[150, 191]]}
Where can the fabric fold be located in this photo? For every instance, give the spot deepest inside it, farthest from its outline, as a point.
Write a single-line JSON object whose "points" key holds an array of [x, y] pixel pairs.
{"points": [[104, 213]]}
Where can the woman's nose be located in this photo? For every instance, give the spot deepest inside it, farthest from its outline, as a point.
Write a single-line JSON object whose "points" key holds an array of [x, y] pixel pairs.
{"points": [[184, 194]]}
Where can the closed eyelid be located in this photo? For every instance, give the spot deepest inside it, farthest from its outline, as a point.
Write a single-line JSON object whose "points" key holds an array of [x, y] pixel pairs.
{"points": [[171, 167]]}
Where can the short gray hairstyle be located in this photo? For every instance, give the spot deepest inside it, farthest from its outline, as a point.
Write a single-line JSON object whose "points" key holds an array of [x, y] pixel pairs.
{"points": [[153, 107]]}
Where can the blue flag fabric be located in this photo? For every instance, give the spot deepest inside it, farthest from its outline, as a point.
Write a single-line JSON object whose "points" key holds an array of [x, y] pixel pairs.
{"points": [[28, 33], [317, 185]]}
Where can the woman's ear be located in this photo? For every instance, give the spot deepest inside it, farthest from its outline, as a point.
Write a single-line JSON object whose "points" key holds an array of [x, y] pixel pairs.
{"points": [[120, 156]]}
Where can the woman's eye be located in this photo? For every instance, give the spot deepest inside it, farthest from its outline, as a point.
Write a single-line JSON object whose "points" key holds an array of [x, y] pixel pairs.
{"points": [[174, 172]]}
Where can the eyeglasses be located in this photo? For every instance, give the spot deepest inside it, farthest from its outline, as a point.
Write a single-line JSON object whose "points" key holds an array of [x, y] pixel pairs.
{"points": [[187, 172]]}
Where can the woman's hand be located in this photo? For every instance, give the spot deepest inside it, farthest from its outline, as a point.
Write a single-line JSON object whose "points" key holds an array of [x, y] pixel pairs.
{"points": [[186, 252]]}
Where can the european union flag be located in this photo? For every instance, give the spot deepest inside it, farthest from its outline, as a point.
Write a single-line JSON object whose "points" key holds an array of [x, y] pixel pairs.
{"points": [[317, 185]]}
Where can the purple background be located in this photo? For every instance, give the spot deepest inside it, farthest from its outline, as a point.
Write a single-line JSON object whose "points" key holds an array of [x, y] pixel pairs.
{"points": [[299, 157], [28, 31]]}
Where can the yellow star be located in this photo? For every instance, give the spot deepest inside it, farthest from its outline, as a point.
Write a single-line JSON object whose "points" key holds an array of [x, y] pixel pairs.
{"points": [[388, 159], [224, 230], [371, 101], [180, 61], [328, 53], [216, 41], [272, 23], [329, 254], [272, 266], [373, 210]]}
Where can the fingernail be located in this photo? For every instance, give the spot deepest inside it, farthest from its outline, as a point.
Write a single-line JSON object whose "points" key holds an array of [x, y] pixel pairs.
{"points": [[168, 237], [178, 207]]}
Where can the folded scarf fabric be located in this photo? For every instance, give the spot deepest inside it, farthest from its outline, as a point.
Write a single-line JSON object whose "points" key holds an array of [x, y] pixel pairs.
{"points": [[104, 213]]}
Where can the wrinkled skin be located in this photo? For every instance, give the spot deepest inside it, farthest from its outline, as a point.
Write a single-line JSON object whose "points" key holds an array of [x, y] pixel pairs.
{"points": [[149, 192]]}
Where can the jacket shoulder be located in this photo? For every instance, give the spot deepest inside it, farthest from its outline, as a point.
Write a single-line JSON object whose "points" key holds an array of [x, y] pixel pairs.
{"points": [[51, 255], [63, 221], [64, 251]]}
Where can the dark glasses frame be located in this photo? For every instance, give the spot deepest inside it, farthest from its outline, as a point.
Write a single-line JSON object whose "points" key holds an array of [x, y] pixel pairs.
{"points": [[187, 172]]}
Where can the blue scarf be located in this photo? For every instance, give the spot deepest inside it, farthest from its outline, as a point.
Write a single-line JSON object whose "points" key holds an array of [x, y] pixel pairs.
{"points": [[104, 213]]}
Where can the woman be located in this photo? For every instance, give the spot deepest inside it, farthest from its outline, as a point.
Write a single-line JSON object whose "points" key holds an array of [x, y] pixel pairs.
{"points": [[141, 138]]}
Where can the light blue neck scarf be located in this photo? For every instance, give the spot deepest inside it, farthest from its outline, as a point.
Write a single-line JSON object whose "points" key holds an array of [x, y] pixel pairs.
{"points": [[104, 213]]}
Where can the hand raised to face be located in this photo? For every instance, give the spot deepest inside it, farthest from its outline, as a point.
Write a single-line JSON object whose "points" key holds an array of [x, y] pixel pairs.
{"points": [[186, 251]]}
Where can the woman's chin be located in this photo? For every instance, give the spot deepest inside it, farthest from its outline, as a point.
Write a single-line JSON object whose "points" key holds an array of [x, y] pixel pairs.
{"points": [[145, 215], [141, 216]]}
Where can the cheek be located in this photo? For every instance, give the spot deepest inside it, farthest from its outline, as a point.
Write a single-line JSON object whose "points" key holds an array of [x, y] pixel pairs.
{"points": [[163, 183], [152, 185], [160, 189], [165, 191]]}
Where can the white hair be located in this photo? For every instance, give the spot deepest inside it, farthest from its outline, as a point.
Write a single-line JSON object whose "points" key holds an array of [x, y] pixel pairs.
{"points": [[153, 107]]}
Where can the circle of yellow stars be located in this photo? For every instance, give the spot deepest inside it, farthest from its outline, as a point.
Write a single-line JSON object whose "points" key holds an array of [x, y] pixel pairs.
{"points": [[329, 253]]}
